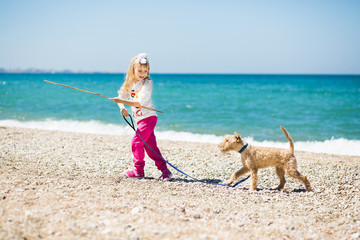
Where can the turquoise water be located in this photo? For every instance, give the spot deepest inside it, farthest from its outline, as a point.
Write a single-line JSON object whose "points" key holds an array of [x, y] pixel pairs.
{"points": [[311, 107]]}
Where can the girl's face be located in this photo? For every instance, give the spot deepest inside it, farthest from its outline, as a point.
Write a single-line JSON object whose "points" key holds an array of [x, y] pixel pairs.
{"points": [[141, 72]]}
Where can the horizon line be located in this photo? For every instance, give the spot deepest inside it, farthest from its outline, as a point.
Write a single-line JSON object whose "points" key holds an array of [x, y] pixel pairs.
{"points": [[40, 71], [159, 73]]}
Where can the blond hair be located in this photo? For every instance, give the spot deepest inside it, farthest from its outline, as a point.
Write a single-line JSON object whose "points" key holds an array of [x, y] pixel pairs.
{"points": [[129, 79]]}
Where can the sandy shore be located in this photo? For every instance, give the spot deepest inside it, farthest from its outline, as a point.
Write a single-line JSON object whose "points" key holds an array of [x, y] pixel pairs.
{"points": [[56, 185]]}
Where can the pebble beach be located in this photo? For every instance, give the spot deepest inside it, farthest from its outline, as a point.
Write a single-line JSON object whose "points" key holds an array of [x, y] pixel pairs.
{"points": [[63, 185]]}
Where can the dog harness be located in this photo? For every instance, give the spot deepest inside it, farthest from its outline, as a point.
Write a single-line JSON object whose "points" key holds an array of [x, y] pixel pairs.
{"points": [[243, 148]]}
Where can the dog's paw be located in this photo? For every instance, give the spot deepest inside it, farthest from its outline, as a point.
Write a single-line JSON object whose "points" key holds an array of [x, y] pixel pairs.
{"points": [[229, 182]]}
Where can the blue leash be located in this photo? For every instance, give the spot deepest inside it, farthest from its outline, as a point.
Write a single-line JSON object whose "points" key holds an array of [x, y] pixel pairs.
{"points": [[197, 180]]}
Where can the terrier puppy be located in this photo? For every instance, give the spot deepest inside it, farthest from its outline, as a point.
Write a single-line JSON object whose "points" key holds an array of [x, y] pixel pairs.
{"points": [[254, 158]]}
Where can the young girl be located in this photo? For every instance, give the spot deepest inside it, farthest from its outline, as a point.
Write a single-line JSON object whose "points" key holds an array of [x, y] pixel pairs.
{"points": [[136, 92]]}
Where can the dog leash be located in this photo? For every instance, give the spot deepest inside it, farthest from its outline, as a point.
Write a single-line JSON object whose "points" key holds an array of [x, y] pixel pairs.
{"points": [[195, 179]]}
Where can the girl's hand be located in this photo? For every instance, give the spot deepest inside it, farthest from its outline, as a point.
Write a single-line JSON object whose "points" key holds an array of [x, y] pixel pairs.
{"points": [[126, 102], [124, 112], [117, 100]]}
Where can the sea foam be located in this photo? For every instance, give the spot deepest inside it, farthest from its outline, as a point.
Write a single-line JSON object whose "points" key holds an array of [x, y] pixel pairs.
{"points": [[339, 146]]}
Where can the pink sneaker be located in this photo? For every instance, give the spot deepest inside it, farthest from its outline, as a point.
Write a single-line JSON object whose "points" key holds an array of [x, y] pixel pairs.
{"points": [[134, 174], [166, 175]]}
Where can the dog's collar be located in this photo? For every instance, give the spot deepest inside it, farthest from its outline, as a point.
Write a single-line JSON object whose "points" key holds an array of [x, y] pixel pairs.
{"points": [[243, 148]]}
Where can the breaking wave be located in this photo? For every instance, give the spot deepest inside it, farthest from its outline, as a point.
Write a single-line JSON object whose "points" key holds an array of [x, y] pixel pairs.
{"points": [[339, 146]]}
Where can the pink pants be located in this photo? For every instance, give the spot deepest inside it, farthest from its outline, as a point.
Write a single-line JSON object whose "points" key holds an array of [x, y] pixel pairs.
{"points": [[145, 128]]}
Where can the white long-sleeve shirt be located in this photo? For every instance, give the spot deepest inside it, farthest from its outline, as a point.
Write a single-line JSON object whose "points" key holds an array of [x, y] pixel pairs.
{"points": [[141, 92]]}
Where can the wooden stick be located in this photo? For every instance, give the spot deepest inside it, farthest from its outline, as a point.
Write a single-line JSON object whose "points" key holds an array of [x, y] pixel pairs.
{"points": [[95, 94]]}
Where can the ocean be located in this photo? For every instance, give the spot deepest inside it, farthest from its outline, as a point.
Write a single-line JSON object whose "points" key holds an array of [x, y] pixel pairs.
{"points": [[321, 112]]}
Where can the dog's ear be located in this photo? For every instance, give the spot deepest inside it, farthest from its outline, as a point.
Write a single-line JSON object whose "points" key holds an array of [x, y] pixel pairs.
{"points": [[237, 136]]}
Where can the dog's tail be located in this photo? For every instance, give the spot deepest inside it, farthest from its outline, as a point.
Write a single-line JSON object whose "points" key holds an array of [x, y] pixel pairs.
{"points": [[289, 139]]}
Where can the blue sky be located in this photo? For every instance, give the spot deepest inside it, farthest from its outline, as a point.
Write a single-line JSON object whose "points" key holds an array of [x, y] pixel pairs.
{"points": [[182, 36]]}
